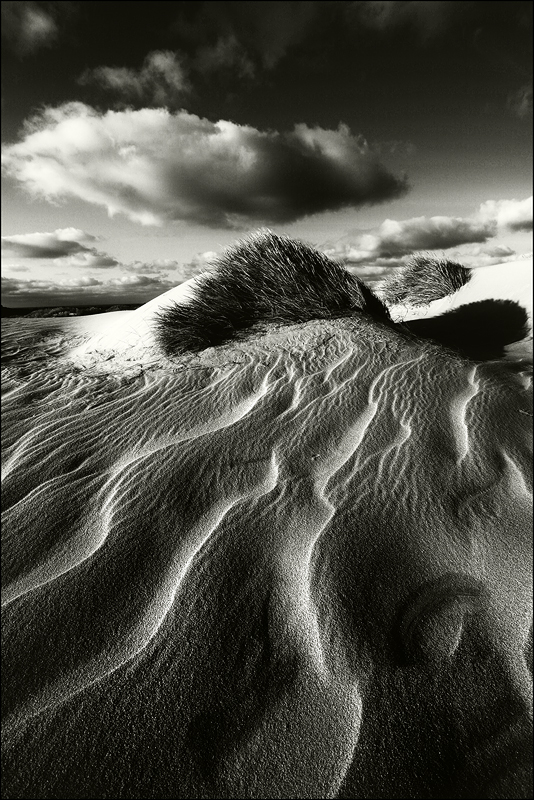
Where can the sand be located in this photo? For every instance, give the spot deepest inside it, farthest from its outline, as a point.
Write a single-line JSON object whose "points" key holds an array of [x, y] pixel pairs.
{"points": [[509, 281], [122, 332], [295, 566]]}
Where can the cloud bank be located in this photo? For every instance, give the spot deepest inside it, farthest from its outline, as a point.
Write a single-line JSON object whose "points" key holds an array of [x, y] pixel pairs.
{"points": [[394, 241], [67, 246], [91, 260], [175, 271], [138, 282], [83, 290], [152, 165], [61, 242], [513, 214]]}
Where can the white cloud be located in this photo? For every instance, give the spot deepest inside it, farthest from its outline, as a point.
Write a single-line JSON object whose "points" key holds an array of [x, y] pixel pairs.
{"points": [[513, 214], [82, 290], [394, 239], [159, 266], [69, 247], [153, 165], [12, 286], [91, 260], [174, 271], [482, 255], [370, 275], [202, 261], [134, 281], [393, 242], [138, 282], [161, 81], [61, 242]]}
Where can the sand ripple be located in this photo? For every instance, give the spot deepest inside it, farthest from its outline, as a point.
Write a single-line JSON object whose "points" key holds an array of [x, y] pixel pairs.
{"points": [[189, 547]]}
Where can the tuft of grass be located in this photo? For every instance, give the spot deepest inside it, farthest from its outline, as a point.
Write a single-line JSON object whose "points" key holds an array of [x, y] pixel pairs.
{"points": [[265, 278], [424, 279]]}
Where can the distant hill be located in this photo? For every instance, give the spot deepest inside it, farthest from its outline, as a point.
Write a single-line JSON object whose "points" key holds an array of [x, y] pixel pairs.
{"points": [[66, 311]]}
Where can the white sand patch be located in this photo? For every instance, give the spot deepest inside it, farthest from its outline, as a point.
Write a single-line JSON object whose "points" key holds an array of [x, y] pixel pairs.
{"points": [[129, 332]]}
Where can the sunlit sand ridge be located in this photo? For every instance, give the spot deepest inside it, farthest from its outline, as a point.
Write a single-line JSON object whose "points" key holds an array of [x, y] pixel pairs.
{"points": [[296, 564]]}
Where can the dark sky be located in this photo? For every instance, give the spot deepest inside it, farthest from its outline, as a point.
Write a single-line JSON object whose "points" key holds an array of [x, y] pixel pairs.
{"points": [[335, 117]]}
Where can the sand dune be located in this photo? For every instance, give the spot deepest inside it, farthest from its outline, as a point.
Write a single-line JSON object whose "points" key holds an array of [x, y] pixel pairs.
{"points": [[130, 332], [490, 314], [294, 565], [509, 281]]}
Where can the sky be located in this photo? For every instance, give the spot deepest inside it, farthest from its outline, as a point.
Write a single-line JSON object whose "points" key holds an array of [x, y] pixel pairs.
{"points": [[141, 139]]}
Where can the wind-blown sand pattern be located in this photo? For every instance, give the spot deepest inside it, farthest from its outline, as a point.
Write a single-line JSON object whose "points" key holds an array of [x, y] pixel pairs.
{"points": [[297, 564]]}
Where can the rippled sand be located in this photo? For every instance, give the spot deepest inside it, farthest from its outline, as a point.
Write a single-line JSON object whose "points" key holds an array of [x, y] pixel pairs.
{"points": [[203, 559]]}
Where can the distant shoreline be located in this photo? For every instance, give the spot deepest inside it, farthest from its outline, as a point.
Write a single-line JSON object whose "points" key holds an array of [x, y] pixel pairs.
{"points": [[65, 311]]}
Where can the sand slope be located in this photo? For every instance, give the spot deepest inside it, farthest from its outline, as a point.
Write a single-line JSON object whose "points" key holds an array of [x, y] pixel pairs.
{"points": [[122, 332], [299, 566]]}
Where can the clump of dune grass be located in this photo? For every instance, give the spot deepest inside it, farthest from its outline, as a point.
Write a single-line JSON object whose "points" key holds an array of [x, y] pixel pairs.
{"points": [[263, 279], [424, 279]]}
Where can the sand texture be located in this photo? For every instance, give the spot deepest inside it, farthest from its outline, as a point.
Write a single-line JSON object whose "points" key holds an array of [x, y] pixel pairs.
{"points": [[296, 566]]}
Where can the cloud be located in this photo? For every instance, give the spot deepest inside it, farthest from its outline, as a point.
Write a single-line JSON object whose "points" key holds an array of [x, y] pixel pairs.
{"points": [[61, 242], [153, 165], [268, 29], [395, 239], [483, 255], [82, 290], [202, 261], [12, 286], [226, 53], [159, 266], [91, 260], [175, 271], [429, 19], [513, 214], [520, 101], [139, 282], [470, 255], [393, 242], [370, 275], [28, 26], [161, 81], [271, 29], [68, 247]]}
